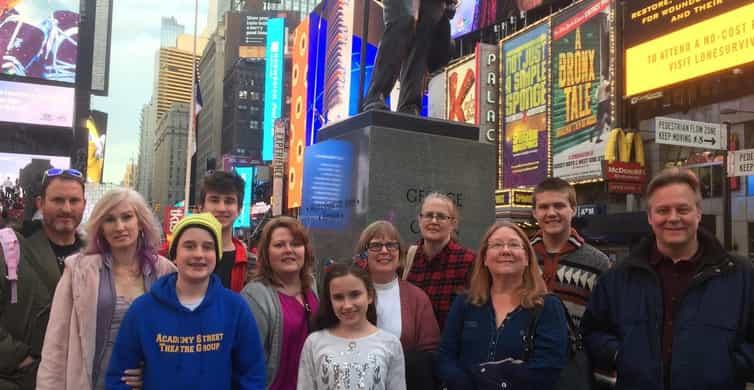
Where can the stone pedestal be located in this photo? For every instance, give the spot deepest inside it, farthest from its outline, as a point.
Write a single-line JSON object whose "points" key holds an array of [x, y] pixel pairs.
{"points": [[380, 165]]}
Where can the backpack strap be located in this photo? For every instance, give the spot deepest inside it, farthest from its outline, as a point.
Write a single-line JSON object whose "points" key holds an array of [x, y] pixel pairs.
{"points": [[536, 312], [410, 254], [12, 254]]}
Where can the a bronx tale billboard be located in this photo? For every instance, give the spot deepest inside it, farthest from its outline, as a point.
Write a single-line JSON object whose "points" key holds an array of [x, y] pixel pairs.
{"points": [[524, 146], [583, 106]]}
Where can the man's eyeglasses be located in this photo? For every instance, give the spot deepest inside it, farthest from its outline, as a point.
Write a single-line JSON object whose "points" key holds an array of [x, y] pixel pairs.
{"points": [[513, 245], [377, 246], [440, 217], [55, 172]]}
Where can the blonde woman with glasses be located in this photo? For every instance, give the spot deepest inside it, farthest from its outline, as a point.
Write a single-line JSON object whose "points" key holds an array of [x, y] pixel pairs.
{"points": [[483, 340]]}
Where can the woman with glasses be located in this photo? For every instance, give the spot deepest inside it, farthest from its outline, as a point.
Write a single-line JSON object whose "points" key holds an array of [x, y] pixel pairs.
{"points": [[483, 340], [402, 308], [437, 263], [118, 265], [282, 298]]}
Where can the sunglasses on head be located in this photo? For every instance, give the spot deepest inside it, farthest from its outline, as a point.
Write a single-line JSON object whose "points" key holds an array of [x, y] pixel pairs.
{"points": [[55, 172]]}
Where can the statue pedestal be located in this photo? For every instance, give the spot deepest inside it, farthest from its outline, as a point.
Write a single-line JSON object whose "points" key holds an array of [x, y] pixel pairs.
{"points": [[380, 165]]}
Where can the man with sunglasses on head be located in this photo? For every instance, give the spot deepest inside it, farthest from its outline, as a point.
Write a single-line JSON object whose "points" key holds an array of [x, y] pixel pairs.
{"points": [[42, 247]]}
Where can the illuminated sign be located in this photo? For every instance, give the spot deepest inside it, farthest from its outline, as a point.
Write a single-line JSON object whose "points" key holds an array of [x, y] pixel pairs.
{"points": [[618, 153], [273, 83], [173, 215], [514, 198], [96, 125], [524, 145], [36, 104], [717, 43], [488, 96], [244, 217], [583, 108], [461, 90], [297, 124]]}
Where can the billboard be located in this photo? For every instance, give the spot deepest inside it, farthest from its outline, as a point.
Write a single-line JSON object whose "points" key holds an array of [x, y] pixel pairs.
{"points": [[723, 39], [315, 76], [96, 126], [461, 91], [488, 92], [36, 104], [297, 123], [273, 83], [39, 39], [582, 102], [244, 217], [338, 61], [103, 22], [465, 19], [524, 145], [625, 161]]}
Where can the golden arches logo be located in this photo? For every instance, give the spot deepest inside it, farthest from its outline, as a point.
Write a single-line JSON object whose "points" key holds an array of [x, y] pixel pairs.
{"points": [[620, 144]]}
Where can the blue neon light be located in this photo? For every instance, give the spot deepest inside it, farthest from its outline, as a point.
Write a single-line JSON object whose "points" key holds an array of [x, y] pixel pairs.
{"points": [[273, 83]]}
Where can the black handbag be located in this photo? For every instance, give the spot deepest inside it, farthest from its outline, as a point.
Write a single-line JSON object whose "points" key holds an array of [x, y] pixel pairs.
{"points": [[577, 373]]}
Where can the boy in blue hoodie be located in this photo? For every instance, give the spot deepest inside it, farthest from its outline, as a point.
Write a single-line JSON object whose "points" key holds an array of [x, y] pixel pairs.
{"points": [[190, 332]]}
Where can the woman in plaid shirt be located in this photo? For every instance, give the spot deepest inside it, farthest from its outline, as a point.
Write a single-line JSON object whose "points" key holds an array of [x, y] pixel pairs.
{"points": [[440, 265]]}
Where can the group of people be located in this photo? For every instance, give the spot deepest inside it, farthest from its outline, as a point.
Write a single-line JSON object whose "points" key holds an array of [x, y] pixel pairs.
{"points": [[113, 310]]}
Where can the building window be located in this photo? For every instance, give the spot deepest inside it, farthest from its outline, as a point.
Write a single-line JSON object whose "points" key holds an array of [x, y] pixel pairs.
{"points": [[254, 124], [242, 94]]}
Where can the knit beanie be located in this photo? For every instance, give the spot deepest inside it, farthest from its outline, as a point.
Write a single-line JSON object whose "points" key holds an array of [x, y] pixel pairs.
{"points": [[204, 221]]}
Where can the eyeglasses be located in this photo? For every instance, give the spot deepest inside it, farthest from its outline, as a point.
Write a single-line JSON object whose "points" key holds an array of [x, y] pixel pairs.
{"points": [[54, 172], [377, 246], [440, 217], [513, 245]]}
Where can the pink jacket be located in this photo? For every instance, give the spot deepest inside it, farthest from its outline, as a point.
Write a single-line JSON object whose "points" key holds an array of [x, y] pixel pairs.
{"points": [[68, 349], [419, 329]]}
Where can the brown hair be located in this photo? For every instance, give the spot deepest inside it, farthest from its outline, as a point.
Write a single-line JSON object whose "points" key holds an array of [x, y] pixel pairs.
{"points": [[325, 318], [381, 229], [264, 272], [533, 287], [675, 175], [555, 184]]}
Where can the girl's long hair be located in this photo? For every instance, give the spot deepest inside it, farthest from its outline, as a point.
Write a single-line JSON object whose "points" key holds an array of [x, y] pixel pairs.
{"points": [[325, 317], [149, 231], [533, 287]]}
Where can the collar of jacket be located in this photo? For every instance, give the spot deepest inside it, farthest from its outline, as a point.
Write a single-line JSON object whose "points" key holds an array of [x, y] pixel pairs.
{"points": [[575, 241], [714, 260]]}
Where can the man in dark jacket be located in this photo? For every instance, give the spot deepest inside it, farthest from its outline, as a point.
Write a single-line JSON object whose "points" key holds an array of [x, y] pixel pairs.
{"points": [[678, 313], [43, 247]]}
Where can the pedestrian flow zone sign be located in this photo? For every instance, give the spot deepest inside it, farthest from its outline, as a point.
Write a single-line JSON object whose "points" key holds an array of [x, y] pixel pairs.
{"points": [[741, 162], [693, 134]]}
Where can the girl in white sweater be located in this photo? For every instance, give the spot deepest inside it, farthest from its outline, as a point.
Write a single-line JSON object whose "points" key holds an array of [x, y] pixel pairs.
{"points": [[348, 351]]}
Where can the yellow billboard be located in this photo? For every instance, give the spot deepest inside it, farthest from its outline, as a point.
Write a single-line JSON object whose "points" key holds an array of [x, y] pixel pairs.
{"points": [[718, 43]]}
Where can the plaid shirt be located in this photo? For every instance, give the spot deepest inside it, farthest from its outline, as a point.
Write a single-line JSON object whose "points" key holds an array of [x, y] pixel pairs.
{"points": [[443, 276]]}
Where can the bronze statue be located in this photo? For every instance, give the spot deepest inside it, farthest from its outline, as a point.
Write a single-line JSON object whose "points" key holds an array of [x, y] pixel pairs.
{"points": [[409, 48]]}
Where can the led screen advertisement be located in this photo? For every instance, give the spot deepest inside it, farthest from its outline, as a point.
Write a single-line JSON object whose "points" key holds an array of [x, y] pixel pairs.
{"points": [[39, 39], [297, 123], [36, 104], [96, 125], [273, 83], [524, 157], [244, 217], [464, 21], [722, 38], [582, 111]]}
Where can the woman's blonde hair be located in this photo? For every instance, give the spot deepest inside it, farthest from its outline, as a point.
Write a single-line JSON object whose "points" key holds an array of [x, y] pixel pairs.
{"points": [[381, 229], [149, 231], [532, 288], [264, 272], [453, 208]]}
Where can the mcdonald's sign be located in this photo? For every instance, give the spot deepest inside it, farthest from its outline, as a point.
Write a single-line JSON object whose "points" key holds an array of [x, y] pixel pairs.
{"points": [[624, 160]]}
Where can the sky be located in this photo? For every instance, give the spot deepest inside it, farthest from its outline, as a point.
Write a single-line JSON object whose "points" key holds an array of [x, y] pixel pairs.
{"points": [[134, 42]]}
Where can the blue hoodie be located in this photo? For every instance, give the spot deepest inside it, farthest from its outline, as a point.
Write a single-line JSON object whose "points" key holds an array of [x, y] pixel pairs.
{"points": [[216, 346]]}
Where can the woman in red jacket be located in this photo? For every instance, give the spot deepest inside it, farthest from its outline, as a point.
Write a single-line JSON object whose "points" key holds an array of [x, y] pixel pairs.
{"points": [[402, 308]]}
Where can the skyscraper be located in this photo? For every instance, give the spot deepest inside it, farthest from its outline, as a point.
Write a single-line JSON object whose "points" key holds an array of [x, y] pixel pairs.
{"points": [[169, 31]]}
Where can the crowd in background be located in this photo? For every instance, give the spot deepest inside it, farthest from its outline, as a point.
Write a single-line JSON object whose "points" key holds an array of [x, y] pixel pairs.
{"points": [[118, 309]]}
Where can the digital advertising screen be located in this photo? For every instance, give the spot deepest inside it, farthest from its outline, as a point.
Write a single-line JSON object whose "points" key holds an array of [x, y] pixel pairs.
{"points": [[315, 77], [39, 39], [96, 125], [464, 21], [36, 104], [684, 40], [525, 146], [327, 185], [13, 164], [297, 124], [244, 217], [273, 83]]}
